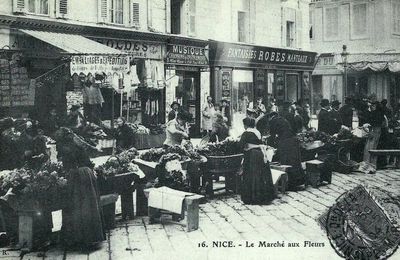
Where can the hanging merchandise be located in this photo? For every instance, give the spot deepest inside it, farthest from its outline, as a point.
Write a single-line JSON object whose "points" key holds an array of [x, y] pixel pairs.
{"points": [[134, 76]]}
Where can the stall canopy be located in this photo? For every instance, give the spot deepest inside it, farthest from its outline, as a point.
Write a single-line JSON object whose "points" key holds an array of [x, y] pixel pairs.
{"points": [[72, 43], [373, 61]]}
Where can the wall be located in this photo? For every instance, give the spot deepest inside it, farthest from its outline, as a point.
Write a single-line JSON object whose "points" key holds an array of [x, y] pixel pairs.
{"points": [[217, 20], [379, 23], [86, 13]]}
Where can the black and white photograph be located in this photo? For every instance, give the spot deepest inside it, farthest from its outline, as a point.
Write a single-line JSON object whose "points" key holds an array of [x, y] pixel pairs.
{"points": [[199, 129]]}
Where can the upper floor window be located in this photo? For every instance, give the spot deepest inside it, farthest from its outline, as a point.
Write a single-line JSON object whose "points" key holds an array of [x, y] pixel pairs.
{"points": [[117, 11], [290, 33], [242, 26], [331, 23], [359, 20], [38, 7], [396, 16]]}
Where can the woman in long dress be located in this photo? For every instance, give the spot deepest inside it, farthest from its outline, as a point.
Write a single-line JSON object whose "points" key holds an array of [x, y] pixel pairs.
{"points": [[257, 186], [288, 148], [82, 223]]}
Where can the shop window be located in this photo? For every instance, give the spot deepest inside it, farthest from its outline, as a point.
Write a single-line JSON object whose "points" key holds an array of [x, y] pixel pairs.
{"points": [[242, 24], [331, 23], [396, 16], [290, 34], [38, 7], [192, 17], [359, 20], [116, 11]]}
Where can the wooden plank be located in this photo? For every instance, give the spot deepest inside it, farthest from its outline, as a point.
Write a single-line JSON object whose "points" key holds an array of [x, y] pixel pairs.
{"points": [[118, 243], [72, 255]]}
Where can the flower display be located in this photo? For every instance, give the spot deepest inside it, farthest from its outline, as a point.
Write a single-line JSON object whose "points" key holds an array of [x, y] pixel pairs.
{"points": [[185, 152], [227, 147], [43, 185], [119, 164]]}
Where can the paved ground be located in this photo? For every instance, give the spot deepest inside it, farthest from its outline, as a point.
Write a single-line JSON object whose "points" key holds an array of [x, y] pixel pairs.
{"points": [[290, 219]]}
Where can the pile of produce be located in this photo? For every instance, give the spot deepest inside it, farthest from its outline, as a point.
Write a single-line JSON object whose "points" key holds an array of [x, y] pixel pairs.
{"points": [[119, 164], [224, 148], [344, 134], [44, 185], [312, 136], [170, 173], [185, 152]]}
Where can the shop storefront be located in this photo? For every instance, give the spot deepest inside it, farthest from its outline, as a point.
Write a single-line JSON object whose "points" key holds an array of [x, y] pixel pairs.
{"points": [[187, 78], [43, 59], [140, 94], [241, 73], [370, 75]]}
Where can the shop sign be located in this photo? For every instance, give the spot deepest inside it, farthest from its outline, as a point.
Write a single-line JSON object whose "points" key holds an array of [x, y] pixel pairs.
{"points": [[99, 63], [32, 47], [230, 54], [187, 55], [136, 49], [326, 61]]}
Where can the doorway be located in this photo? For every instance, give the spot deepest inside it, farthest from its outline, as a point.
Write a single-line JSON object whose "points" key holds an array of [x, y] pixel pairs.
{"points": [[292, 87]]}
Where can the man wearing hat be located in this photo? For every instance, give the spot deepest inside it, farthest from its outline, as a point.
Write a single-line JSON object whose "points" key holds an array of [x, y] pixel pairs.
{"points": [[225, 111], [287, 113], [346, 113], [335, 117], [175, 106], [324, 118]]}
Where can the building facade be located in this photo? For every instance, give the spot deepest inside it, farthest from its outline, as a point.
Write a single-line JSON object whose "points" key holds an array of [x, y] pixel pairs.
{"points": [[171, 45], [371, 32]]}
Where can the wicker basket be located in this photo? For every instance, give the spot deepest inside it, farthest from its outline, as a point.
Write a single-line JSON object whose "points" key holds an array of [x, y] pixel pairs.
{"points": [[224, 164]]}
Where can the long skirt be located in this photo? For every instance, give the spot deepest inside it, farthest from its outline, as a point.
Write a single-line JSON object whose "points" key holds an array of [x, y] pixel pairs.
{"points": [[82, 224], [256, 183], [289, 154], [372, 144]]}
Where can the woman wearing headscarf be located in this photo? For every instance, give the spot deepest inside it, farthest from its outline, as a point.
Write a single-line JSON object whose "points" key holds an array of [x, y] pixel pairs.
{"points": [[256, 184], [82, 223]]}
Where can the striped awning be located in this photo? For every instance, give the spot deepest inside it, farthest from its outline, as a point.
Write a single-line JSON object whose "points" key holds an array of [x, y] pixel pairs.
{"points": [[72, 43]]}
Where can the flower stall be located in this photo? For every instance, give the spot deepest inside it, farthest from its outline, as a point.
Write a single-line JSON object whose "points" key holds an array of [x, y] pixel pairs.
{"points": [[33, 195], [120, 175], [223, 159]]}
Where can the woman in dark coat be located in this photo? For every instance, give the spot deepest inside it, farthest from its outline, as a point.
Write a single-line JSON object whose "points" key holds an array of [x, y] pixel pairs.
{"points": [[257, 186], [288, 148], [82, 223], [125, 137]]}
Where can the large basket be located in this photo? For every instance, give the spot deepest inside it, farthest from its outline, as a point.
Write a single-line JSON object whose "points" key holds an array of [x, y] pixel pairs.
{"points": [[224, 164]]}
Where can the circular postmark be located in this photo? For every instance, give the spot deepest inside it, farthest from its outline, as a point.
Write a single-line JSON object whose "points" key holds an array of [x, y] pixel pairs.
{"points": [[359, 229]]}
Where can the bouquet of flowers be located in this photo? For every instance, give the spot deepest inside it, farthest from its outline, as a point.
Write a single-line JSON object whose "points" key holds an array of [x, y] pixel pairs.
{"points": [[119, 164], [170, 173], [152, 155]]}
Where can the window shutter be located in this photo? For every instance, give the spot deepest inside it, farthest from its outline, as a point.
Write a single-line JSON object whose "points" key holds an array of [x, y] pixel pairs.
{"points": [[283, 26], [103, 11], [135, 14], [299, 29], [62, 8], [192, 17], [19, 6]]}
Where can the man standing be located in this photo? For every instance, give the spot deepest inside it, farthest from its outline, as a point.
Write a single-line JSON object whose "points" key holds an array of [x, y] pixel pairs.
{"points": [[287, 113], [208, 114], [346, 113], [335, 117], [225, 111], [259, 107], [324, 120]]}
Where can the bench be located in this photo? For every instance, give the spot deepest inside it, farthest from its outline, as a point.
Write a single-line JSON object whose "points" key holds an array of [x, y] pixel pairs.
{"points": [[389, 152], [190, 211]]}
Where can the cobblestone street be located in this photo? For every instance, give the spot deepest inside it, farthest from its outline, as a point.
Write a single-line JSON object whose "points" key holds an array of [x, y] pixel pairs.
{"points": [[290, 219]]}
